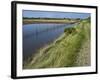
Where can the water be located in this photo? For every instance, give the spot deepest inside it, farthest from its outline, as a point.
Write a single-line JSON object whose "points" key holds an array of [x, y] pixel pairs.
{"points": [[36, 36]]}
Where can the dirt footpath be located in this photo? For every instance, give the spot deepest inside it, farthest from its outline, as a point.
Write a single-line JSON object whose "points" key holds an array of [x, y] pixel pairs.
{"points": [[84, 56]]}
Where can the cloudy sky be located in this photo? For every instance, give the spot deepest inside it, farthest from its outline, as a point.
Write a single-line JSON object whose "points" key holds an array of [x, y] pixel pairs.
{"points": [[52, 14]]}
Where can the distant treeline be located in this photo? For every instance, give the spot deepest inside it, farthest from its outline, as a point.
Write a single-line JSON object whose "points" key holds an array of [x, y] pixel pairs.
{"points": [[51, 18]]}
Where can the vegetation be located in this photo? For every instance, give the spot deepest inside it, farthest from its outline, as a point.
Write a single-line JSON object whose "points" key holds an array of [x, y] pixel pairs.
{"points": [[49, 20], [46, 18], [66, 51]]}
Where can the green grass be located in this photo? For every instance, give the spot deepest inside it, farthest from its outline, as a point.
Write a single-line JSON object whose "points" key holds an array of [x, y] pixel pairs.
{"points": [[64, 51]]}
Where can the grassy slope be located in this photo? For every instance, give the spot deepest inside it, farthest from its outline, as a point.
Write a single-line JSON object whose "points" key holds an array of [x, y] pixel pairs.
{"points": [[65, 51]]}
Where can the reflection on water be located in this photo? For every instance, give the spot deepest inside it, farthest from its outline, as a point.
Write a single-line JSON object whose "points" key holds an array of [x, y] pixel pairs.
{"points": [[36, 36]]}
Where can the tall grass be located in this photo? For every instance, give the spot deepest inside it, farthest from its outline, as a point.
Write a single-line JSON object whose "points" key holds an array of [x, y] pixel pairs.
{"points": [[63, 52]]}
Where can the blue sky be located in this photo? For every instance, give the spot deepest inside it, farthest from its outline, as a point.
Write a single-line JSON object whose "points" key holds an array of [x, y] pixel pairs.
{"points": [[52, 14]]}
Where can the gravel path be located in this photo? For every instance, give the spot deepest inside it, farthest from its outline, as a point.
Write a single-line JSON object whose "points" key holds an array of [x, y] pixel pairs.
{"points": [[84, 57]]}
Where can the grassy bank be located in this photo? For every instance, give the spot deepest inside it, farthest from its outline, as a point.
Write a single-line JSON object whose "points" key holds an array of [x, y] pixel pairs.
{"points": [[66, 51]]}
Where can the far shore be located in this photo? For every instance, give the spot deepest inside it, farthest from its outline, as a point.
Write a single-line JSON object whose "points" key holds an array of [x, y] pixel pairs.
{"points": [[58, 21]]}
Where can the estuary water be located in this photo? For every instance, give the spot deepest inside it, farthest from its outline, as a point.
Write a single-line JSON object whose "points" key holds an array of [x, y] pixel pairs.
{"points": [[36, 36]]}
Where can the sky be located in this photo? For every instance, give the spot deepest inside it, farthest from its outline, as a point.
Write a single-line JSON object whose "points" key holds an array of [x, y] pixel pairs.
{"points": [[52, 14]]}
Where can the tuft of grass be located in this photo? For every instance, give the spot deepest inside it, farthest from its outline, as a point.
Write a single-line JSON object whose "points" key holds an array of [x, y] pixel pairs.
{"points": [[69, 30], [64, 51]]}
